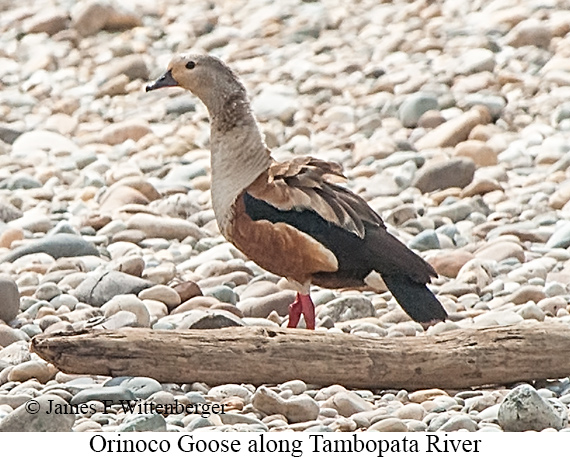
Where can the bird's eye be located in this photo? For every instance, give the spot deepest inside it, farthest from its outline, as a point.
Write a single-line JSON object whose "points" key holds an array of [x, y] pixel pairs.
{"points": [[191, 64]]}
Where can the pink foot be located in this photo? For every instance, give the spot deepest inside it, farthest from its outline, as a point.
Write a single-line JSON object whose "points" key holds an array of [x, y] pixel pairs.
{"points": [[303, 305]]}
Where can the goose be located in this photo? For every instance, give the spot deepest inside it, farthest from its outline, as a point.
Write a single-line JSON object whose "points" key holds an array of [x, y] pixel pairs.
{"points": [[295, 218]]}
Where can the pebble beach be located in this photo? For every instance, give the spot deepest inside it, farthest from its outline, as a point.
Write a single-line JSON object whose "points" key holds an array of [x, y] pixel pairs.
{"points": [[451, 119]]}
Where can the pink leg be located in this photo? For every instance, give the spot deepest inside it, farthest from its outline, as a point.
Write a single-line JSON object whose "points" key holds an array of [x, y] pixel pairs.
{"points": [[303, 305]]}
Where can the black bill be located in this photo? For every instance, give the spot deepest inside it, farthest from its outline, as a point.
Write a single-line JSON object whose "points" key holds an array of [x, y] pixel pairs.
{"points": [[166, 80]]}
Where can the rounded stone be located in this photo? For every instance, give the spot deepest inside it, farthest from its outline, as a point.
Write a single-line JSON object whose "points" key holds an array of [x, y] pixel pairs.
{"points": [[99, 287], [20, 420], [411, 411], [524, 409], [390, 424], [459, 422], [9, 299], [478, 151], [129, 303], [40, 370], [299, 408], [162, 293], [142, 387], [47, 291], [263, 306], [425, 240], [347, 403], [296, 386], [224, 391], [414, 106], [346, 308], [457, 172]]}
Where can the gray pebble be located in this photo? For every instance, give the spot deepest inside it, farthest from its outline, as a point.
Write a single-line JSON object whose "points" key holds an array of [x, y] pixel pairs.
{"points": [[47, 291], [296, 386], [457, 172], [494, 103], [219, 393], [10, 335], [524, 409], [459, 422], [100, 287], [414, 106], [223, 293], [20, 420], [347, 308], [143, 423], [9, 299], [199, 422], [114, 395], [425, 240], [60, 245], [142, 387], [210, 319], [180, 105], [299, 408], [561, 237]]}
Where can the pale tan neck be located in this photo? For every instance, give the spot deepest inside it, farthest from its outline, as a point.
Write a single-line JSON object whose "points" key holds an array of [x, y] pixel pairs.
{"points": [[239, 156]]}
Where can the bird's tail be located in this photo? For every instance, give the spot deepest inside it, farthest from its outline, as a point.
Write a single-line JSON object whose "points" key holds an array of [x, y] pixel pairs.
{"points": [[415, 298]]}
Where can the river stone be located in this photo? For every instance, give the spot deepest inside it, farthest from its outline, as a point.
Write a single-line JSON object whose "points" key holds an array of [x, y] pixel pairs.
{"points": [[299, 408], [530, 32], [234, 418], [128, 303], [411, 411], [164, 227], [200, 422], [425, 240], [38, 369], [45, 140], [142, 386], [296, 386], [524, 409], [9, 335], [455, 172], [476, 60], [143, 423], [20, 420], [99, 287], [560, 238], [161, 293], [458, 422], [9, 299], [455, 130], [414, 106], [389, 424], [419, 396], [15, 353], [186, 290], [59, 245], [347, 308], [119, 320], [210, 319], [112, 394], [275, 102], [263, 306], [224, 391], [90, 17], [347, 403]]}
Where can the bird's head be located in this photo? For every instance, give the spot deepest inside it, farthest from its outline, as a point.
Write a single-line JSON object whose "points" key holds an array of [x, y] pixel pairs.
{"points": [[205, 76]]}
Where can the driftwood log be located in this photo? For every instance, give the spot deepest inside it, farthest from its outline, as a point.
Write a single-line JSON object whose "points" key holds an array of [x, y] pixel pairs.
{"points": [[453, 360]]}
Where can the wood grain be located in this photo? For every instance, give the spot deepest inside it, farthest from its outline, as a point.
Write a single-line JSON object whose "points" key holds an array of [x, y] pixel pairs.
{"points": [[453, 360]]}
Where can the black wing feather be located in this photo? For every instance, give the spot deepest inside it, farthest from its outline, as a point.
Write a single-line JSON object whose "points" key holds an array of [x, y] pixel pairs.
{"points": [[405, 273]]}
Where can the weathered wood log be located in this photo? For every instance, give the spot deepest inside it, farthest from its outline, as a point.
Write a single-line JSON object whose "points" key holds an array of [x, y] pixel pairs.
{"points": [[453, 360]]}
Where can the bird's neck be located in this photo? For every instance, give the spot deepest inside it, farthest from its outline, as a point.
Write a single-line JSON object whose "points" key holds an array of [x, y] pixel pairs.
{"points": [[238, 155]]}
